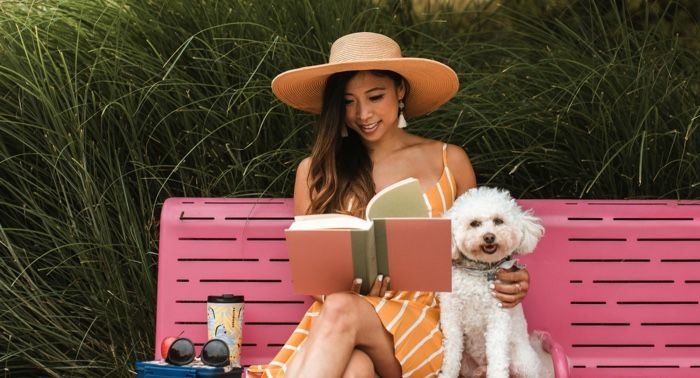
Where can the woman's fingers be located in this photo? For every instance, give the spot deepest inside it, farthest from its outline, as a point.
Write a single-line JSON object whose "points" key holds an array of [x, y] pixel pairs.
{"points": [[356, 285], [507, 300], [376, 286], [385, 286], [519, 275], [379, 286], [511, 287]]}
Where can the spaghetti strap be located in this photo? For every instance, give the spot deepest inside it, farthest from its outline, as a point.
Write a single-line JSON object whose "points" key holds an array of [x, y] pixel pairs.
{"points": [[444, 155]]}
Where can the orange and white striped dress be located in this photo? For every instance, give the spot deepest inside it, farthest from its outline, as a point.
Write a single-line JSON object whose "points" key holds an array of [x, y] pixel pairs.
{"points": [[412, 317]]}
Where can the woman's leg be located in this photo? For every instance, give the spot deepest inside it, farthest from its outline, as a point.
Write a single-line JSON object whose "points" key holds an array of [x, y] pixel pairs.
{"points": [[360, 366], [346, 322]]}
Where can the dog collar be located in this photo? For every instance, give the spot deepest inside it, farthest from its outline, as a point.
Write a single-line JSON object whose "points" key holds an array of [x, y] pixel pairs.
{"points": [[489, 269]]}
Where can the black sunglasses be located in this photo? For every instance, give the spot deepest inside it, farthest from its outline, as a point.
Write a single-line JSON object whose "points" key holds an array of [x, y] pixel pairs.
{"points": [[214, 352]]}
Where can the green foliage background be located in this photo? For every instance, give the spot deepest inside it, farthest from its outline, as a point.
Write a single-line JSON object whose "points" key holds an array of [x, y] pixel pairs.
{"points": [[108, 107]]}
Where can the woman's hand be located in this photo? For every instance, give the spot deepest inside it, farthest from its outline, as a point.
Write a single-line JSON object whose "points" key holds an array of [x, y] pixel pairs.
{"points": [[511, 286], [379, 287]]}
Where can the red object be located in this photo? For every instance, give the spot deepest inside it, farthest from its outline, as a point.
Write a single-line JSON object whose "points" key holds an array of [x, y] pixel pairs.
{"points": [[165, 345]]}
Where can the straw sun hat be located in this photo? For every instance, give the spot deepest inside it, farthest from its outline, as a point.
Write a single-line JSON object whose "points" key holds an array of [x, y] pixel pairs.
{"points": [[431, 83]]}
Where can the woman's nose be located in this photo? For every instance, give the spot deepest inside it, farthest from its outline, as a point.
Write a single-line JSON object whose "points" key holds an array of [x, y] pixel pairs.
{"points": [[364, 112]]}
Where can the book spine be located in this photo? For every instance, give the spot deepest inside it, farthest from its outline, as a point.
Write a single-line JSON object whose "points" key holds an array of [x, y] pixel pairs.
{"points": [[363, 258], [381, 249]]}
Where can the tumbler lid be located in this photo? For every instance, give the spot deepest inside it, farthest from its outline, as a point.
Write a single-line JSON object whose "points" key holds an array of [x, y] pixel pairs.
{"points": [[225, 298]]}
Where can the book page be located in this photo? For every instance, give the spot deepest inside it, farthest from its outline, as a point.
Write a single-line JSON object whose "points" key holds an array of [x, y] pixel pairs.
{"points": [[364, 258], [329, 221], [403, 199]]}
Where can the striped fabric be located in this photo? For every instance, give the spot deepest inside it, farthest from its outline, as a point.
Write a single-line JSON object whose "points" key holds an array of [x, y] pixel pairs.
{"points": [[412, 317], [441, 196]]}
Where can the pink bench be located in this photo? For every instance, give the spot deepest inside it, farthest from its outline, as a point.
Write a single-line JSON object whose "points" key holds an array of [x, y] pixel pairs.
{"points": [[616, 283]]}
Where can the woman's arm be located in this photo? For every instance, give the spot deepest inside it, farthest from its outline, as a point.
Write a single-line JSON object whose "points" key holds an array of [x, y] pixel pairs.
{"points": [[461, 168], [302, 199]]}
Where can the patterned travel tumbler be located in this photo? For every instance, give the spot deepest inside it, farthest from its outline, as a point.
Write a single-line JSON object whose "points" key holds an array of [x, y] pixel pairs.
{"points": [[225, 322]]}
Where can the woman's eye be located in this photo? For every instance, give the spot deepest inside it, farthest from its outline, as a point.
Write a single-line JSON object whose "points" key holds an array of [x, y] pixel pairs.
{"points": [[497, 221], [475, 224], [348, 101], [376, 98]]}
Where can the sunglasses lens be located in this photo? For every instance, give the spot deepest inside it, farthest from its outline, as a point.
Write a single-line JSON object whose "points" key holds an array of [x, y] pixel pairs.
{"points": [[215, 353], [181, 352]]}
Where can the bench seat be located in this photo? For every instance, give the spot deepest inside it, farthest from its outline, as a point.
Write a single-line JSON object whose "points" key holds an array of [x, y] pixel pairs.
{"points": [[615, 282]]}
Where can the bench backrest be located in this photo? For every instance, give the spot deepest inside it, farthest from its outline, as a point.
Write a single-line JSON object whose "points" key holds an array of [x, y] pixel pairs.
{"points": [[616, 283]]}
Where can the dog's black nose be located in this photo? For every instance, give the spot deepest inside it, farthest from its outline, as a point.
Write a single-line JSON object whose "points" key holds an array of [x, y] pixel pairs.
{"points": [[489, 238]]}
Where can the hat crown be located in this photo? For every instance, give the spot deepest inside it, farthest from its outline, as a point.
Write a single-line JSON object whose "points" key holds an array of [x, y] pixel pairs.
{"points": [[363, 46]]}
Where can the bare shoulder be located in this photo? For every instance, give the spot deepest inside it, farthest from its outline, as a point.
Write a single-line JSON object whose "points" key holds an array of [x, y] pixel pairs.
{"points": [[457, 155], [461, 167], [302, 174], [425, 147], [431, 147], [302, 195], [304, 165], [458, 161]]}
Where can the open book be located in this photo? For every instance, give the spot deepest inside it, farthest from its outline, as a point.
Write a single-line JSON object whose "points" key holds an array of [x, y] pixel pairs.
{"points": [[327, 251]]}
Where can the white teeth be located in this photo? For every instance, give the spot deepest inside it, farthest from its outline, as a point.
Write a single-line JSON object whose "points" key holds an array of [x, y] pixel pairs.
{"points": [[370, 126]]}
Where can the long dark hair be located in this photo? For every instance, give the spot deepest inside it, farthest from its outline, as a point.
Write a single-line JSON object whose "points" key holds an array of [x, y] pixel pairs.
{"points": [[341, 169]]}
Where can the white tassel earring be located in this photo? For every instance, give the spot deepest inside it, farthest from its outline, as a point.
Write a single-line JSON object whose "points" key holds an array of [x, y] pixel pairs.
{"points": [[402, 119], [343, 131]]}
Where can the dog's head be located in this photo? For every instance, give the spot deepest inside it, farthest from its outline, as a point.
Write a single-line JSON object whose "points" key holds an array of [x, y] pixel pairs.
{"points": [[488, 225]]}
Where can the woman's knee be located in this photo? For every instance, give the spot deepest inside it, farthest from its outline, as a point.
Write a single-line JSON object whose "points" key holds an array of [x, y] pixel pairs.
{"points": [[343, 311], [359, 366]]}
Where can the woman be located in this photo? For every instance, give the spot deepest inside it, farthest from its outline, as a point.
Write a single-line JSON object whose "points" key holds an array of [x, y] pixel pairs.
{"points": [[363, 95]]}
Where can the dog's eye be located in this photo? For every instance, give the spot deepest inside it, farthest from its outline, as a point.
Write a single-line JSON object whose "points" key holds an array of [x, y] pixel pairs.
{"points": [[497, 221], [475, 223]]}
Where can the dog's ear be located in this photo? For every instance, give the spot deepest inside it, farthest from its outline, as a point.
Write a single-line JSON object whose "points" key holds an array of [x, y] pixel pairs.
{"points": [[456, 255], [532, 232], [450, 214]]}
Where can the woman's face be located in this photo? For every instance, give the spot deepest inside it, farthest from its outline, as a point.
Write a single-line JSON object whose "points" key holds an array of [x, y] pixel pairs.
{"points": [[372, 104]]}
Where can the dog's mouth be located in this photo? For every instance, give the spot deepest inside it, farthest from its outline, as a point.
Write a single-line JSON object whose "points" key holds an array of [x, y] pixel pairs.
{"points": [[489, 249]]}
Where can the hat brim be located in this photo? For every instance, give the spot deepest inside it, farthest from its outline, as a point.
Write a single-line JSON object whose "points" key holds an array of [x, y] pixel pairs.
{"points": [[431, 83]]}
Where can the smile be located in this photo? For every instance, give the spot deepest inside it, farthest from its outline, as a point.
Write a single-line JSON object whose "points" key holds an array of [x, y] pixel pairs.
{"points": [[489, 249], [370, 127]]}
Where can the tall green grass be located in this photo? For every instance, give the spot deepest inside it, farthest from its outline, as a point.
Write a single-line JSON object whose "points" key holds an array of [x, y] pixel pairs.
{"points": [[108, 107], [576, 101]]}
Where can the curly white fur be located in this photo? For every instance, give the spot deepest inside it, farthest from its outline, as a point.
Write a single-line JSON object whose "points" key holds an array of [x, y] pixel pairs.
{"points": [[487, 226]]}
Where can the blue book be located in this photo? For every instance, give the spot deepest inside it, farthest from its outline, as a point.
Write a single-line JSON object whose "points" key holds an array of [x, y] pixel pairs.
{"points": [[157, 369]]}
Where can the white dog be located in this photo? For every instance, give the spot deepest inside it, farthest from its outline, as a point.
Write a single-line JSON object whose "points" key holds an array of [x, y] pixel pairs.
{"points": [[488, 227]]}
